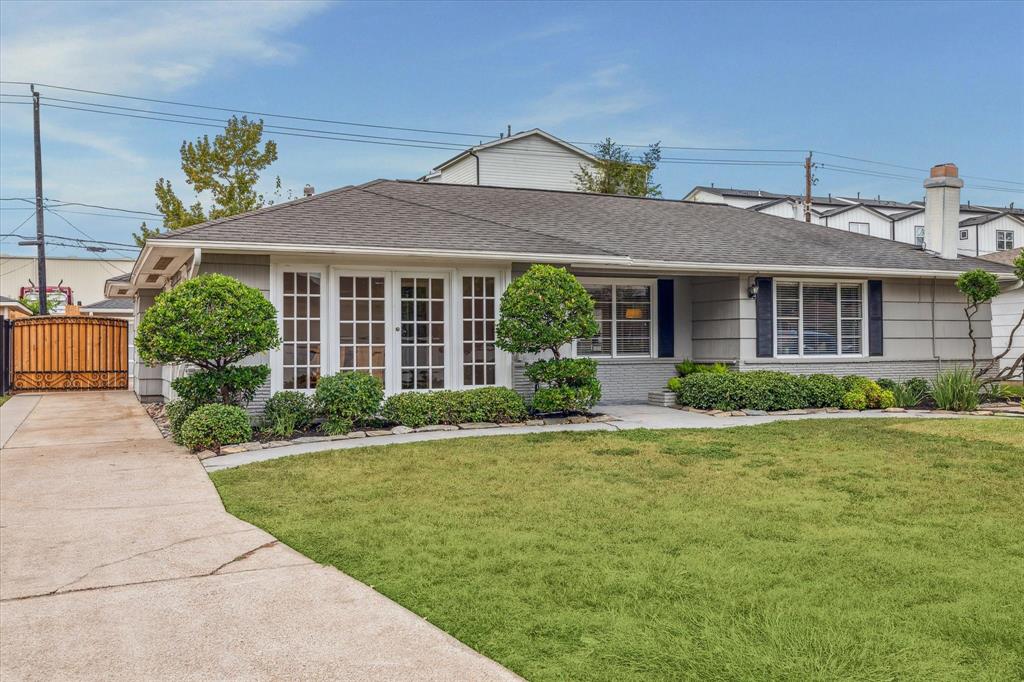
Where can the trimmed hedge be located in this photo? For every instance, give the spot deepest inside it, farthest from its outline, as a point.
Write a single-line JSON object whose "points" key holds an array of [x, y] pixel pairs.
{"points": [[767, 390], [346, 399], [211, 426], [564, 385], [485, 404]]}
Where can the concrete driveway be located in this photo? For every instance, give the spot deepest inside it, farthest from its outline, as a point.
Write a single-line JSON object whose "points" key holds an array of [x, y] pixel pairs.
{"points": [[118, 561]]}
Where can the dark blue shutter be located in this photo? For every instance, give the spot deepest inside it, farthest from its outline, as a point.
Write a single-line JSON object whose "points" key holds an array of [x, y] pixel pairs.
{"points": [[765, 304], [666, 318], [875, 317]]}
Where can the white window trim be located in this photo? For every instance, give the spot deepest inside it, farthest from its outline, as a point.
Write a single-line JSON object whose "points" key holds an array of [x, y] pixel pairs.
{"points": [[839, 326], [964, 235], [920, 235], [327, 335], [850, 224], [502, 359], [1005, 234], [613, 281]]}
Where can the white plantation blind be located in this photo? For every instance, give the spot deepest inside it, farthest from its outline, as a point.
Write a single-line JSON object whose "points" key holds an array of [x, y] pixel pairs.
{"points": [[624, 321], [819, 319]]}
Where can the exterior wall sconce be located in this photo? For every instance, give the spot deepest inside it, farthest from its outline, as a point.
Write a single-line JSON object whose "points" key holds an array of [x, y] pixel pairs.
{"points": [[752, 289]]}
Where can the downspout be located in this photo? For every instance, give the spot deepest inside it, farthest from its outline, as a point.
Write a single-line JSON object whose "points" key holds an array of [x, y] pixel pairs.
{"points": [[935, 356], [197, 259], [977, 243], [892, 230], [473, 154]]}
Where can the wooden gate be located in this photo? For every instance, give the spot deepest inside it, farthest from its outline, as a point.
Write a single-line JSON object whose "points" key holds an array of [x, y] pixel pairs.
{"points": [[63, 353]]}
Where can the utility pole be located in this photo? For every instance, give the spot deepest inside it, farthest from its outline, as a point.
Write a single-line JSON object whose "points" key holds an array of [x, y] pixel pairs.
{"points": [[808, 181], [40, 232]]}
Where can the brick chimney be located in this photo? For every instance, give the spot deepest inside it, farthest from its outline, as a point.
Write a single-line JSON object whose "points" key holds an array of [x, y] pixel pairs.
{"points": [[942, 210]]}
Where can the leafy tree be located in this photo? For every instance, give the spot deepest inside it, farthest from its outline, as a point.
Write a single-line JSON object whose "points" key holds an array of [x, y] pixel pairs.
{"points": [[228, 167], [619, 172], [212, 322], [544, 310], [31, 303], [980, 287]]}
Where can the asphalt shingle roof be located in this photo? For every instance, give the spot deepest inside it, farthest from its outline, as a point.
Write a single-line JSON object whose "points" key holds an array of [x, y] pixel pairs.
{"points": [[110, 304], [414, 215]]}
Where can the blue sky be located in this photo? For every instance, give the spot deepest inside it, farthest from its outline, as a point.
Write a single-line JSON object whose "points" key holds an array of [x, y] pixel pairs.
{"points": [[912, 84]]}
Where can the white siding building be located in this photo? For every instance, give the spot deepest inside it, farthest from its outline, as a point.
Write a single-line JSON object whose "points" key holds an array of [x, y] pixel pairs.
{"points": [[983, 229], [533, 159]]}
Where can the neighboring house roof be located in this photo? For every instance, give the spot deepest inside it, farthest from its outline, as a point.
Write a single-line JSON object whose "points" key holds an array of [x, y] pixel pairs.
{"points": [[109, 304], [512, 138], [844, 209], [906, 214], [8, 302], [982, 219], [389, 216], [767, 204], [1004, 257]]}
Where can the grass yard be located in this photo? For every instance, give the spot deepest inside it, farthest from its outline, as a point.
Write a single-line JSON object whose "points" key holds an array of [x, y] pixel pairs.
{"points": [[802, 550]]}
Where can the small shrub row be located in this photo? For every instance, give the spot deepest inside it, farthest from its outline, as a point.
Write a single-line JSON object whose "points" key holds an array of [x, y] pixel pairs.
{"points": [[211, 426], [688, 367], [766, 390], [486, 404], [564, 385]]}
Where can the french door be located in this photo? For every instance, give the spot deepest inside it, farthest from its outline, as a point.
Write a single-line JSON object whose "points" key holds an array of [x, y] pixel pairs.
{"points": [[421, 331]]}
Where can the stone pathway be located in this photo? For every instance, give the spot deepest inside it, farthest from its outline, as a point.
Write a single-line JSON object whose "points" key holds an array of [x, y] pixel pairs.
{"points": [[119, 562]]}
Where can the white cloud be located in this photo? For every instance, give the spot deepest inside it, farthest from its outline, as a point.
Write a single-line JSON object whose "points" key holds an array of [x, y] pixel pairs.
{"points": [[603, 93], [145, 46]]}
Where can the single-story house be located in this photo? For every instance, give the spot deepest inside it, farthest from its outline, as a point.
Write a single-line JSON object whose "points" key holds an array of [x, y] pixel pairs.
{"points": [[403, 279]]}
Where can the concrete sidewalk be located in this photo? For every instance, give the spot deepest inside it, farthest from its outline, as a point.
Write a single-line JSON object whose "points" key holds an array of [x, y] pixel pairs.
{"points": [[628, 417], [118, 561]]}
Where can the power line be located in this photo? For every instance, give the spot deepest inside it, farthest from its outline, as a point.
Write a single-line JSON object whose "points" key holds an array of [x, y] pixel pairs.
{"points": [[921, 170], [29, 217], [254, 113], [83, 232], [58, 203]]}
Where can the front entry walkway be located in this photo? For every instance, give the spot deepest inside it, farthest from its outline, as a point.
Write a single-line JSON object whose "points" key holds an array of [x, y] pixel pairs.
{"points": [[118, 561]]}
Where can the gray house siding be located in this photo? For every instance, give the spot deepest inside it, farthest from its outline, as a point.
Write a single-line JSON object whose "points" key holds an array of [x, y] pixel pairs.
{"points": [[717, 322]]}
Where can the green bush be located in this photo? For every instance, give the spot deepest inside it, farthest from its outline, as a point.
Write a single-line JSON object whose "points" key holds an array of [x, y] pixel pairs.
{"points": [[871, 390], [233, 385], [485, 404], [910, 393], [352, 397], [177, 411], [886, 399], [956, 390], [568, 385], [212, 322], [743, 390], [688, 367], [855, 400], [211, 426], [287, 412], [823, 390], [887, 384]]}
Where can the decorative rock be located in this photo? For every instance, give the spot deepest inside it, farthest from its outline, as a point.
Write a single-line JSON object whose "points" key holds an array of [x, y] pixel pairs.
{"points": [[340, 436], [508, 424], [556, 420], [796, 412], [737, 413], [436, 427], [831, 410], [276, 443], [356, 434], [815, 410], [251, 445], [720, 414], [206, 454], [983, 413], [378, 432], [311, 439], [711, 412], [535, 422], [578, 419], [604, 418], [894, 409], [399, 430], [755, 413], [233, 449], [478, 425]]}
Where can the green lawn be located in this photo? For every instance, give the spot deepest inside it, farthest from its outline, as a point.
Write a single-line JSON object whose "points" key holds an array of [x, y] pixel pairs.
{"points": [[805, 550]]}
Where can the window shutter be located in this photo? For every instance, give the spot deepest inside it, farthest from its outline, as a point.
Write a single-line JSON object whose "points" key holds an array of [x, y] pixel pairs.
{"points": [[764, 304], [875, 317], [666, 318]]}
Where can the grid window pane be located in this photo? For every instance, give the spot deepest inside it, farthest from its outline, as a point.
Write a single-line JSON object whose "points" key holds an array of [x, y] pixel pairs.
{"points": [[478, 331], [852, 319], [421, 308], [300, 311], [361, 306]]}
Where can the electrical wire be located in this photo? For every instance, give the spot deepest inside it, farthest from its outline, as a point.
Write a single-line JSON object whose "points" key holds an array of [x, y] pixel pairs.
{"points": [[87, 235]]}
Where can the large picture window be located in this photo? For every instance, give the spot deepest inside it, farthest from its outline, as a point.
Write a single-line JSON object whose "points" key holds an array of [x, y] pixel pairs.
{"points": [[819, 318], [624, 320]]}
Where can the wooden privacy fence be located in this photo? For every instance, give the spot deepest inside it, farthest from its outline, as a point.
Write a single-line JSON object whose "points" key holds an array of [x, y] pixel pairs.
{"points": [[62, 353]]}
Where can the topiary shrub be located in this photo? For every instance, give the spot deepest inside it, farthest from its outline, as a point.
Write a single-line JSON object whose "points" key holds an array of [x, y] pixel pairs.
{"points": [[177, 411], [212, 321], [855, 400], [823, 390], [212, 426], [234, 385], [485, 404], [543, 310], [346, 399], [871, 390], [287, 412]]}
